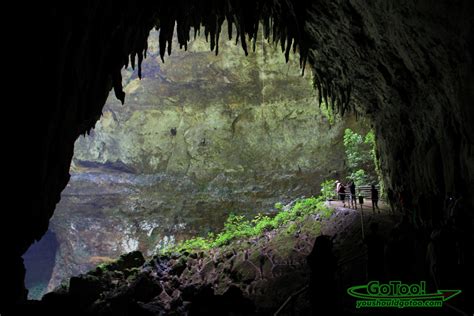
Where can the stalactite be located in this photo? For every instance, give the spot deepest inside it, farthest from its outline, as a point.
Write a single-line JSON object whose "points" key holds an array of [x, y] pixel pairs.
{"points": [[83, 50], [281, 20]]}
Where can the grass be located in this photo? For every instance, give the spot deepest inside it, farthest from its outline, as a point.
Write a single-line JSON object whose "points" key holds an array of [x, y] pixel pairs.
{"points": [[238, 227]]}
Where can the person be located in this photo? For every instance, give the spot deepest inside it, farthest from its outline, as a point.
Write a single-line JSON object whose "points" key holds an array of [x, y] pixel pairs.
{"points": [[322, 284], [375, 253], [394, 253], [341, 191], [352, 189], [374, 195], [401, 254]]}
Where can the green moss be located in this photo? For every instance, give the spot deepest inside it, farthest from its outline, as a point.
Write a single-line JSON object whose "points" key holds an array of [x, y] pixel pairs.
{"points": [[328, 113], [132, 273], [311, 228], [291, 229]]}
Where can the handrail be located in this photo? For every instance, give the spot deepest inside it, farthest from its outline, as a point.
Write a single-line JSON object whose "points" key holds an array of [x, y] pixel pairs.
{"points": [[304, 288]]}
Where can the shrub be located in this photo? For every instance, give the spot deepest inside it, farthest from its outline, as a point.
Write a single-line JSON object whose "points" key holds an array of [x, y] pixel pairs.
{"points": [[328, 189], [239, 227]]}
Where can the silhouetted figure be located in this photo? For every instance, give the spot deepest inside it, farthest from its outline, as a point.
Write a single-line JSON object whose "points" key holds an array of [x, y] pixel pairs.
{"points": [[400, 253], [173, 131], [375, 253], [341, 191], [408, 242], [393, 254], [352, 189], [374, 195], [322, 284]]}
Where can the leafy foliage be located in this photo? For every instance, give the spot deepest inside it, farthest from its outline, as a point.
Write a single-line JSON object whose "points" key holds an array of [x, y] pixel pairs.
{"points": [[361, 156], [239, 227], [360, 177], [328, 189], [370, 140]]}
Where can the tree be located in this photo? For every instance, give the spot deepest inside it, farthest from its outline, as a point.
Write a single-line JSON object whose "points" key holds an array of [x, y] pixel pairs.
{"points": [[361, 157]]}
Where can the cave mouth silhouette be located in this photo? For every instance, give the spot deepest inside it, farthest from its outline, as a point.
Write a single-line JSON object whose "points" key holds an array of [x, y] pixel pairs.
{"points": [[278, 94], [408, 63]]}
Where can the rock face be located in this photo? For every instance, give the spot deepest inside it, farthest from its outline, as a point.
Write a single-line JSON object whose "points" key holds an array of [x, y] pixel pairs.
{"points": [[246, 277], [407, 64], [415, 83], [201, 136]]}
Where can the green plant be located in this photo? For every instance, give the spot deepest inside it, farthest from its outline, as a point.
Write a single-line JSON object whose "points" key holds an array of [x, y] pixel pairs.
{"points": [[371, 141], [328, 189], [279, 206], [361, 157], [328, 113], [291, 229], [359, 177], [239, 227], [197, 243], [263, 223], [236, 226]]}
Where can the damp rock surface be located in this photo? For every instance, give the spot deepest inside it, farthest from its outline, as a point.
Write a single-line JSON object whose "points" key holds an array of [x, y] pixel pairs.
{"points": [[249, 276], [201, 136]]}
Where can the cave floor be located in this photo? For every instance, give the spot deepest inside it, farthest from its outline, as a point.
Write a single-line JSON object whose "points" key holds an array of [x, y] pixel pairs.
{"points": [[268, 270]]}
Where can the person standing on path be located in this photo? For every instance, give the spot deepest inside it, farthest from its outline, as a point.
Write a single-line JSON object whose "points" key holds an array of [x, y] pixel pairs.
{"points": [[375, 253], [374, 195], [341, 191], [352, 189]]}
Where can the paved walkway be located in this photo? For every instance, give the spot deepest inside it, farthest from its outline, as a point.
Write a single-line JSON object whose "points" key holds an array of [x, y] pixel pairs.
{"points": [[366, 207]]}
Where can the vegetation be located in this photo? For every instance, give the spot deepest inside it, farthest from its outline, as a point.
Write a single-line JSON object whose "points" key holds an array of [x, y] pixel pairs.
{"points": [[361, 157], [239, 227], [328, 113], [328, 189]]}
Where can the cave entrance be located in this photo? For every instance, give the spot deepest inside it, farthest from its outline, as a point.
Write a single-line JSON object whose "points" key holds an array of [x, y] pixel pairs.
{"points": [[199, 137], [39, 262]]}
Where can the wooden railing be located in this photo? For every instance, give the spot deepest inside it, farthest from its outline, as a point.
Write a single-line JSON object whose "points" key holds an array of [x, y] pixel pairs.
{"points": [[362, 190]]}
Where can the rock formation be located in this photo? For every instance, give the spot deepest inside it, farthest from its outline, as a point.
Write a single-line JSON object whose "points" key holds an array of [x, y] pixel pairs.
{"points": [[407, 65], [201, 136]]}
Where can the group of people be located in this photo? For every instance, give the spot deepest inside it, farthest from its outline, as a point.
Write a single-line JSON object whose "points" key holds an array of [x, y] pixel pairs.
{"points": [[351, 188]]}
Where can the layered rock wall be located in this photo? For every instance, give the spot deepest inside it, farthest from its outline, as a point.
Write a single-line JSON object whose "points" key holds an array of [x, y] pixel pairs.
{"points": [[200, 137], [409, 64]]}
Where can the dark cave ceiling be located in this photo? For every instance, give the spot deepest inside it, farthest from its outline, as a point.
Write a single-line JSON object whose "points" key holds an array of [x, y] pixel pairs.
{"points": [[406, 65]]}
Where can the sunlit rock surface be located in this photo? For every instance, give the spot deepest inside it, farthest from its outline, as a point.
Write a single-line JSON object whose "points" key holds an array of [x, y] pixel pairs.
{"points": [[199, 137]]}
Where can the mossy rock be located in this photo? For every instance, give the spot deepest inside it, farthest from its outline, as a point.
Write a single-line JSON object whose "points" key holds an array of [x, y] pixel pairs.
{"points": [[129, 260], [131, 274], [247, 272]]}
